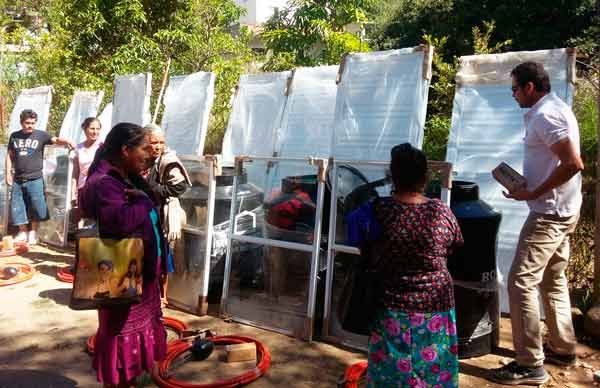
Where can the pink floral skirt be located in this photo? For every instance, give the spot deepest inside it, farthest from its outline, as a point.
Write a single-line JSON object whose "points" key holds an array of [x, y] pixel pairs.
{"points": [[130, 339], [413, 350]]}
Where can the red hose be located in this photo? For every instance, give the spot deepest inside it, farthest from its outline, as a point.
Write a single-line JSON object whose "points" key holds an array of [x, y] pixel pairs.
{"points": [[65, 275], [19, 248], [25, 273], [175, 325], [171, 323], [353, 374], [176, 348]]}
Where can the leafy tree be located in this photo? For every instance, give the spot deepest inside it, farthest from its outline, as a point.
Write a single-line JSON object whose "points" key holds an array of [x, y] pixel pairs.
{"points": [[312, 33], [91, 41]]}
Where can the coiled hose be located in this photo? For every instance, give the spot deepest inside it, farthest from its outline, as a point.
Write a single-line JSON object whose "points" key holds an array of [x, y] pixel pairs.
{"points": [[177, 348], [25, 272], [353, 375], [19, 249]]}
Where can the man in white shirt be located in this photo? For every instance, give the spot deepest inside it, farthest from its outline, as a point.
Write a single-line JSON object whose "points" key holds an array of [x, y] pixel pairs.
{"points": [[552, 167]]}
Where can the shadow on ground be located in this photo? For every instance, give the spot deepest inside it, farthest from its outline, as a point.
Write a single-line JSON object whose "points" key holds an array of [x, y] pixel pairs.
{"points": [[38, 257], [27, 378], [58, 295], [474, 371]]}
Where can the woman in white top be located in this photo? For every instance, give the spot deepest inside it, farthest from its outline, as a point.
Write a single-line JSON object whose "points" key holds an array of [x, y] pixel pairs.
{"points": [[86, 150]]}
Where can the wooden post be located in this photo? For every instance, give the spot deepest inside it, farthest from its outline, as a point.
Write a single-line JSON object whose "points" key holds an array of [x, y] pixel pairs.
{"points": [[596, 82], [597, 195], [163, 84]]}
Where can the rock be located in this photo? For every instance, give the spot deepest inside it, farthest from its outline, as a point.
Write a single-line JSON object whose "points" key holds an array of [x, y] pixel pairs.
{"points": [[597, 377], [591, 323]]}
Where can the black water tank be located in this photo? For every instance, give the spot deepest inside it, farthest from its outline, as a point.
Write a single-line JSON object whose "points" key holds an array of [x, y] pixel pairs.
{"points": [[473, 269]]}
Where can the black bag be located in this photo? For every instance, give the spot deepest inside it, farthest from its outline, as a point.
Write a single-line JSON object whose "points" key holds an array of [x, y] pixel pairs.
{"points": [[363, 289]]}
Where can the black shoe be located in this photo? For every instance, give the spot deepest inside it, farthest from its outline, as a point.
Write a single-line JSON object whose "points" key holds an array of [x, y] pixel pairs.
{"points": [[551, 357], [514, 374]]}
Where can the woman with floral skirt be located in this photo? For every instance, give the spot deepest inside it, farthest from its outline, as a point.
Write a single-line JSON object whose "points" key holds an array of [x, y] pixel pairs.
{"points": [[413, 339]]}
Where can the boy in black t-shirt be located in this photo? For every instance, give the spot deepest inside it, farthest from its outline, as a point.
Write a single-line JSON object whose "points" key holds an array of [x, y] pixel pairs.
{"points": [[24, 165]]}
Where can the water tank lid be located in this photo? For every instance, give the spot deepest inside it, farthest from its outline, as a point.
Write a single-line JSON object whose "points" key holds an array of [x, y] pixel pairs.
{"points": [[463, 191]]}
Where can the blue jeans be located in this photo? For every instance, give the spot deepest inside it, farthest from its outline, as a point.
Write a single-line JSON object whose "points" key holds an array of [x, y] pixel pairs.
{"points": [[28, 202]]}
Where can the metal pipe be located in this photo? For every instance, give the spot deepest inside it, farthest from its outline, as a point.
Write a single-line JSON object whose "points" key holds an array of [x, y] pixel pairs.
{"points": [[312, 289], [272, 242], [275, 159], [330, 251], [71, 158], [346, 249], [212, 187], [232, 213]]}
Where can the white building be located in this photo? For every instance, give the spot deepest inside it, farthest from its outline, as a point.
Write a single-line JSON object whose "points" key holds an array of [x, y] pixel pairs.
{"points": [[259, 11]]}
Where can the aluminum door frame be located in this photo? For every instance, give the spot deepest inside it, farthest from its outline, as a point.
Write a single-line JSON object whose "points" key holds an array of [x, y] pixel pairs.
{"points": [[214, 170], [321, 166]]}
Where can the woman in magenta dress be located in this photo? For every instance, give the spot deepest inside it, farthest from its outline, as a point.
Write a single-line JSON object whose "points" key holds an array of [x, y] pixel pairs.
{"points": [[130, 339]]}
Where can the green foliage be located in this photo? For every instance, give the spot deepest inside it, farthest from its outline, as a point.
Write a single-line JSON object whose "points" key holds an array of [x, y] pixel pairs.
{"points": [[586, 110], [437, 129], [441, 92], [482, 39], [441, 95], [531, 25], [91, 41], [312, 33]]}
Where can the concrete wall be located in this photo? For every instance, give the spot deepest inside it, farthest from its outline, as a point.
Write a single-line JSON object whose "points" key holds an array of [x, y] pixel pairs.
{"points": [[259, 11]]}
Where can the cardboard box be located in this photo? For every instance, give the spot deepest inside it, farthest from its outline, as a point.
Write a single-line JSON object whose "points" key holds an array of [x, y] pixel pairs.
{"points": [[241, 352]]}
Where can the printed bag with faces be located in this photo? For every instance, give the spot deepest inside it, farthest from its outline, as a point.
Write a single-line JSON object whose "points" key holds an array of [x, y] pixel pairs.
{"points": [[108, 271]]}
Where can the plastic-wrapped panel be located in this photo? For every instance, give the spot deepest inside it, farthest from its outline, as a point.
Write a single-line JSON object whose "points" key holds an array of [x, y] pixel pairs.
{"points": [[188, 101], [106, 120], [131, 100], [38, 99], [381, 102], [307, 124], [256, 114], [487, 128], [84, 105]]}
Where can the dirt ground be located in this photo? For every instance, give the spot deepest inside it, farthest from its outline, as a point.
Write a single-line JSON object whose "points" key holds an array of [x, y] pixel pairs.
{"points": [[42, 343]]}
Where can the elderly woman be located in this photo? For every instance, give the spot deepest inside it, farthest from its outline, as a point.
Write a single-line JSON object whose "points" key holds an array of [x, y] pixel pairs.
{"points": [[130, 339], [168, 180], [413, 338]]}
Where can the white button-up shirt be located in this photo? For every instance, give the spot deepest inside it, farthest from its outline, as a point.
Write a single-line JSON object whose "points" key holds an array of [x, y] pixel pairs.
{"points": [[547, 122]]}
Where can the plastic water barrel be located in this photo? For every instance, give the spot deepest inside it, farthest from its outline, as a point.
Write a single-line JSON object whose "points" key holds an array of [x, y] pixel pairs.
{"points": [[473, 270]]}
